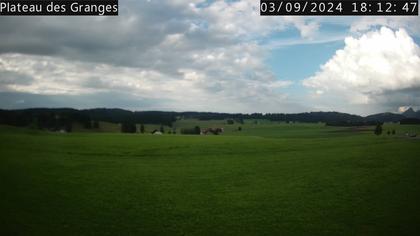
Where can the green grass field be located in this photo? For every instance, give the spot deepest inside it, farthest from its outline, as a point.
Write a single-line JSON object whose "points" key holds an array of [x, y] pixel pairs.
{"points": [[269, 179]]}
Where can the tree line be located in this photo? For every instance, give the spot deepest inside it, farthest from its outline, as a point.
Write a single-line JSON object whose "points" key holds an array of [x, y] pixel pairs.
{"points": [[55, 119]]}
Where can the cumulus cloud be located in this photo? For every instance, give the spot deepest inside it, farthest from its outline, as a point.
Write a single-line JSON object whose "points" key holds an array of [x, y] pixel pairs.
{"points": [[143, 36], [220, 87], [380, 67], [198, 55]]}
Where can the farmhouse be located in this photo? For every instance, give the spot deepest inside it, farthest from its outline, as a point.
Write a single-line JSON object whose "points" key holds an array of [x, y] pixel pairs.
{"points": [[156, 132]]}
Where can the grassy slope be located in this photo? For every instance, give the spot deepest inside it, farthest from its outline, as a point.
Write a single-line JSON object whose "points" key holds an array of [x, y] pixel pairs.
{"points": [[293, 181]]}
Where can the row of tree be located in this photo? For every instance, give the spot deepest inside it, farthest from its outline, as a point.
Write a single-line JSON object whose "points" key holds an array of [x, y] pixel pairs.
{"points": [[128, 127], [378, 130], [47, 118], [311, 117], [52, 118], [410, 121]]}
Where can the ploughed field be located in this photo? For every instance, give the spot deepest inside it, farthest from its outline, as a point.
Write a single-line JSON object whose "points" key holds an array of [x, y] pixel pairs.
{"points": [[268, 179]]}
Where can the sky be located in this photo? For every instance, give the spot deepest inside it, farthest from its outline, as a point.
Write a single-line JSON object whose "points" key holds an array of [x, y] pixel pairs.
{"points": [[219, 56]]}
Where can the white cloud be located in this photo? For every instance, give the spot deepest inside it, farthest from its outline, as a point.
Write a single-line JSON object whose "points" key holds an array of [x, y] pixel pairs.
{"points": [[403, 109], [308, 29], [221, 86], [196, 55], [242, 19], [371, 69], [192, 56], [364, 24]]}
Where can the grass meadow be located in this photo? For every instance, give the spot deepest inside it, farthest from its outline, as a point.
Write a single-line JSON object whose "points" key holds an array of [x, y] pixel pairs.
{"points": [[268, 179]]}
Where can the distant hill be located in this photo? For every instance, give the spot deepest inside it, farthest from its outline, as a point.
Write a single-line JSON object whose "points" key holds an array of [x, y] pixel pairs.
{"points": [[63, 118], [392, 117], [410, 113], [385, 117]]}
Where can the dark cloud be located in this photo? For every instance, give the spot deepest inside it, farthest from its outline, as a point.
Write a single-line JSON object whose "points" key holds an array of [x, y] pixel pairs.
{"points": [[10, 77], [392, 99], [131, 39]]}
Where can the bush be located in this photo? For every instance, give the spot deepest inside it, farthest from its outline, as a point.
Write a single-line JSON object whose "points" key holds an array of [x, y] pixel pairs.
{"points": [[194, 131], [378, 129], [96, 124], [87, 124], [128, 128], [197, 130]]}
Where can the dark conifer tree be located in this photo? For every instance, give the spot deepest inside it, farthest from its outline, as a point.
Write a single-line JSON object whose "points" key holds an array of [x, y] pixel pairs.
{"points": [[378, 129]]}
